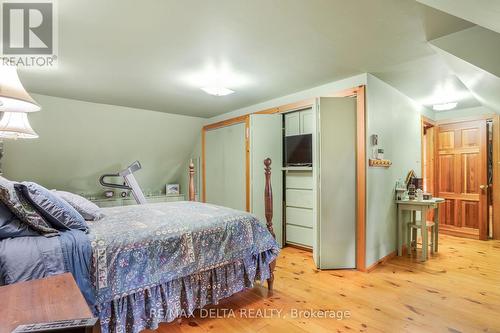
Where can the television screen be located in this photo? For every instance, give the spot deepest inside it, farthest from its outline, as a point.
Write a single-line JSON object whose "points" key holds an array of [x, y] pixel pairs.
{"points": [[298, 150]]}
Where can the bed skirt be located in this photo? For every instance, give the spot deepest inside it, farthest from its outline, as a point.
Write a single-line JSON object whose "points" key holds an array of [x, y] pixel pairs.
{"points": [[148, 307]]}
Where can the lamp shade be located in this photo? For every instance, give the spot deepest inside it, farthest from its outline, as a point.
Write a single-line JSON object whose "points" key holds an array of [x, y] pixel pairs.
{"points": [[15, 125], [13, 96]]}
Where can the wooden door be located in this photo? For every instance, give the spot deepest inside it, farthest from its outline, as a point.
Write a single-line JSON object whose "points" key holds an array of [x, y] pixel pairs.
{"points": [[461, 178]]}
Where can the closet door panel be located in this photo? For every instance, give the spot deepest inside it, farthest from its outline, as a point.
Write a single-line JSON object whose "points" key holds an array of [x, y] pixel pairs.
{"points": [[306, 121], [292, 124], [225, 164], [337, 183], [266, 137]]}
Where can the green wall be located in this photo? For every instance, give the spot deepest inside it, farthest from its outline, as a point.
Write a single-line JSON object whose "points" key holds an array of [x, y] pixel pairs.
{"points": [[79, 141], [396, 120]]}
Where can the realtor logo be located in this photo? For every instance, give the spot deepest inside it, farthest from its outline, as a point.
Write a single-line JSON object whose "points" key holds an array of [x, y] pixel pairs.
{"points": [[28, 33]]}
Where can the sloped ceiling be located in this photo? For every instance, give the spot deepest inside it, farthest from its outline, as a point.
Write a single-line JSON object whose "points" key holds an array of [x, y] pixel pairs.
{"points": [[476, 45], [428, 80], [147, 54], [485, 13], [473, 55], [483, 85]]}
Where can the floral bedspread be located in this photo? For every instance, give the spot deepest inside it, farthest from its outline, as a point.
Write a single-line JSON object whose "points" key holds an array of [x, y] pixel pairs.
{"points": [[136, 248]]}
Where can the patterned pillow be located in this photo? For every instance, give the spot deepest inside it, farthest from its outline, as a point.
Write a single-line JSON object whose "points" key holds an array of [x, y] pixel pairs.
{"points": [[60, 214], [89, 210], [23, 210]]}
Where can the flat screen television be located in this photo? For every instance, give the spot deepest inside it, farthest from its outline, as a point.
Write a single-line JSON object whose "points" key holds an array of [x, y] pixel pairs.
{"points": [[298, 150]]}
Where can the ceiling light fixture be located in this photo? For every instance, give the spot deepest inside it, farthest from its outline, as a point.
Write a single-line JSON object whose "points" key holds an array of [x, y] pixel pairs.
{"points": [[444, 106], [217, 91]]}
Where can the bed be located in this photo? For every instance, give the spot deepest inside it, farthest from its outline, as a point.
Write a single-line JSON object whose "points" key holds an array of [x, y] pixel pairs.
{"points": [[145, 264]]}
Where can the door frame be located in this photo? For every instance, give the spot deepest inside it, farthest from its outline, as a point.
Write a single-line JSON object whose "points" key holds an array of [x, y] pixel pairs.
{"points": [[357, 92], [426, 121], [495, 118]]}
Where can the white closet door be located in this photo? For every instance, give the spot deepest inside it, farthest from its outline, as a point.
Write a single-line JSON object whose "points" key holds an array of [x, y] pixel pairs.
{"points": [[337, 182], [225, 165], [266, 140]]}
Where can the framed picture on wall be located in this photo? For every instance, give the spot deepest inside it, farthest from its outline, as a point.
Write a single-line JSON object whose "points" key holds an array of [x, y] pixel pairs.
{"points": [[172, 189]]}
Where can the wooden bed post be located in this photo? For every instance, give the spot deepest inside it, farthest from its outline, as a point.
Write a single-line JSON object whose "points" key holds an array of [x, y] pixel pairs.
{"points": [[268, 204], [191, 192]]}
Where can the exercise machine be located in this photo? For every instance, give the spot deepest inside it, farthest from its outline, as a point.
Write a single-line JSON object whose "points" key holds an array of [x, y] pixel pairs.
{"points": [[129, 182]]}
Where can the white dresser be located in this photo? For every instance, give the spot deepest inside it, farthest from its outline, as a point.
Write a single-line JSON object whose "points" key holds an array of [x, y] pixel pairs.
{"points": [[299, 206], [113, 202]]}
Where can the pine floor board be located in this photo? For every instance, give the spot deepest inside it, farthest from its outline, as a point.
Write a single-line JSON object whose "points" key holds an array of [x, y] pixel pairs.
{"points": [[457, 290]]}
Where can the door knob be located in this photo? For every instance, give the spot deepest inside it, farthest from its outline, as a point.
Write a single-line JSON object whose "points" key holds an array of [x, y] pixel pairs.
{"points": [[483, 187]]}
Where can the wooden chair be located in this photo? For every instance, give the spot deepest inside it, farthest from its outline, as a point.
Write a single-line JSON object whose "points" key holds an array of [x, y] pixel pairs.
{"points": [[412, 231]]}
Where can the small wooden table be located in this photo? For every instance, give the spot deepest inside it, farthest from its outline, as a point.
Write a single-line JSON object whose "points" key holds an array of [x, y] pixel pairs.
{"points": [[39, 301], [422, 207]]}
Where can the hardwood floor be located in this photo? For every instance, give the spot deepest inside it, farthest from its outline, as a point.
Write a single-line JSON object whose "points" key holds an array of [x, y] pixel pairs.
{"points": [[457, 290]]}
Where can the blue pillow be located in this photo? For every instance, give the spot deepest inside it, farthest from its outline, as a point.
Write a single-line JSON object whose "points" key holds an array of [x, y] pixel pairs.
{"points": [[11, 227], [23, 210], [56, 211]]}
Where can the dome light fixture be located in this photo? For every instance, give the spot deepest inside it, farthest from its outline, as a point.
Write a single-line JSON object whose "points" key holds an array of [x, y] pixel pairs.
{"points": [[444, 106], [217, 91]]}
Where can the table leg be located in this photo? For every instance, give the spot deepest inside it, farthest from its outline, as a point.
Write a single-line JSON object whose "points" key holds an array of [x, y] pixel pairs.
{"points": [[400, 231], [436, 227], [425, 233]]}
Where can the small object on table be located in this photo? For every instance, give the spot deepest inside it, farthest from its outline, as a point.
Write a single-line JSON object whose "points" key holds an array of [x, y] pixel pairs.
{"points": [[418, 182], [172, 189], [109, 194], [411, 192], [400, 193], [427, 196], [400, 189], [409, 176], [420, 195]]}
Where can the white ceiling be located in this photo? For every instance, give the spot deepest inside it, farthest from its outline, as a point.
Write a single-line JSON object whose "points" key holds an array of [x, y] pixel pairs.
{"points": [[146, 54], [485, 13], [429, 80], [473, 55]]}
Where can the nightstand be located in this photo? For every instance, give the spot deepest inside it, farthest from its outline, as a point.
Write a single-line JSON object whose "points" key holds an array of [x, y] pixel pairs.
{"points": [[45, 300]]}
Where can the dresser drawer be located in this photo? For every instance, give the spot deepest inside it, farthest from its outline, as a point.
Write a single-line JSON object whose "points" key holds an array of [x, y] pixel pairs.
{"points": [[299, 198], [107, 203], [299, 235], [299, 180], [167, 198], [299, 216]]}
